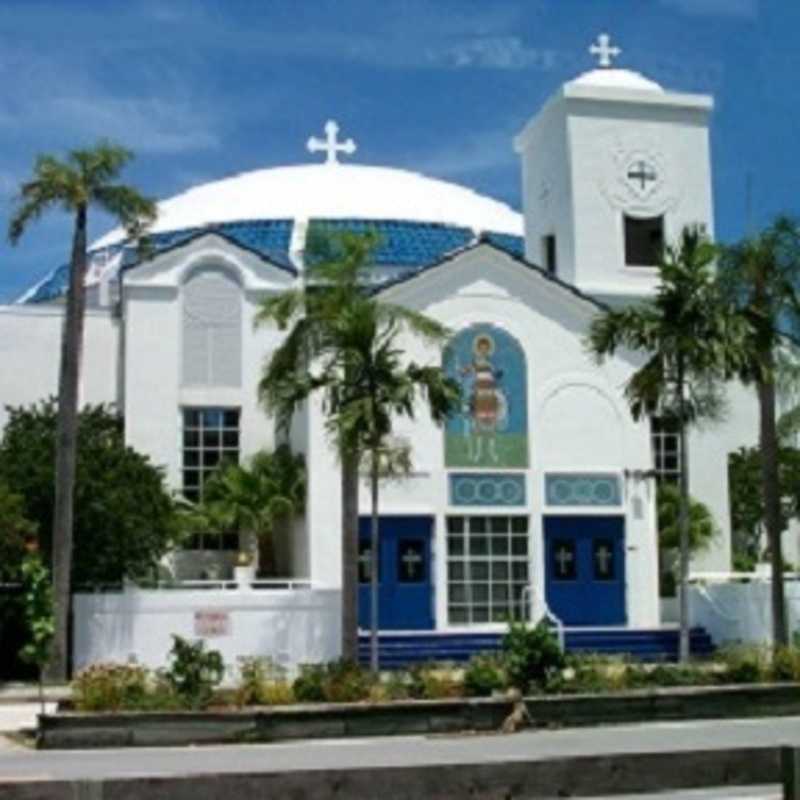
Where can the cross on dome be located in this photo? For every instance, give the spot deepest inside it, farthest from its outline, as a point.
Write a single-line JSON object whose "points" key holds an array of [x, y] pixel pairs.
{"points": [[330, 144], [604, 51]]}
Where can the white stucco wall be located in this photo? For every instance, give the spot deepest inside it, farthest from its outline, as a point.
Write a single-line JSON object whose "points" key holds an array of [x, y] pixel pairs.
{"points": [[153, 394], [292, 627], [575, 154], [30, 351], [576, 416], [740, 612]]}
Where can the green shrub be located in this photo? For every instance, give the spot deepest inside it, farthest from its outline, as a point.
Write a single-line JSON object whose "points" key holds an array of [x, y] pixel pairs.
{"points": [[532, 656], [395, 686], [257, 677], [309, 685], [744, 664], [640, 676], [786, 664], [346, 682], [337, 682], [484, 674], [110, 687], [277, 693], [588, 673], [433, 682], [194, 672]]}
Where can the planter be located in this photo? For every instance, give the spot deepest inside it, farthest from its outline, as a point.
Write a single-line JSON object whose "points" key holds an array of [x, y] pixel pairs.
{"points": [[154, 729], [244, 576]]}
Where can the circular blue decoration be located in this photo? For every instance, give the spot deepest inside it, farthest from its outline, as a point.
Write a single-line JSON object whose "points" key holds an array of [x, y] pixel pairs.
{"points": [[582, 492], [487, 491], [511, 492], [465, 490], [560, 491], [603, 492]]}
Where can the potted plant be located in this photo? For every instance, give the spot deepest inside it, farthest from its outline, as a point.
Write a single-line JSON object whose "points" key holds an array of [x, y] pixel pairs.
{"points": [[244, 573]]}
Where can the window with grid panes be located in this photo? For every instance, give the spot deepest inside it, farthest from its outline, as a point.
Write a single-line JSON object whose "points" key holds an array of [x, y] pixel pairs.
{"points": [[666, 449], [210, 437], [487, 568]]}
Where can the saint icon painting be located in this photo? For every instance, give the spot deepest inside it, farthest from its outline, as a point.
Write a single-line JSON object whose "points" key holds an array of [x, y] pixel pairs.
{"points": [[489, 429]]}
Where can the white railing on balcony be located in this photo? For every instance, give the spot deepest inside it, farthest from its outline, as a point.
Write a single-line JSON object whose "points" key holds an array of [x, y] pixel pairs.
{"points": [[256, 585]]}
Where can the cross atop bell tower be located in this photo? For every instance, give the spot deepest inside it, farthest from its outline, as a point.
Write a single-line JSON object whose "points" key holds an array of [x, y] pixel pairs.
{"points": [[613, 167], [330, 144], [604, 51]]}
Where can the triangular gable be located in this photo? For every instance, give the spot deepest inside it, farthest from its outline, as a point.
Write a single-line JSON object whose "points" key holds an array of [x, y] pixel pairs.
{"points": [[203, 245], [534, 270], [214, 231]]}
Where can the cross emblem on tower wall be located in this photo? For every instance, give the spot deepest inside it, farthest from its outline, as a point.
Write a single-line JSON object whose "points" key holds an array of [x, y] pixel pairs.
{"points": [[330, 145], [604, 51], [641, 171]]}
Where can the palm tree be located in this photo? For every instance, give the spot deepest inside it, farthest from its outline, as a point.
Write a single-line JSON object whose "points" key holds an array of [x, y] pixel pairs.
{"points": [[385, 387], [689, 343], [255, 499], [761, 275], [336, 328], [85, 178]]}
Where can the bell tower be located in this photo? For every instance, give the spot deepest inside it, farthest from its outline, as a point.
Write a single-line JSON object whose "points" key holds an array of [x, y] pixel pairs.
{"points": [[613, 167]]}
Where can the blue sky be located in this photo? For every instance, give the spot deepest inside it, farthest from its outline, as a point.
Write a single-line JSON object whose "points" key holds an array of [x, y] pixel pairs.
{"points": [[200, 89]]}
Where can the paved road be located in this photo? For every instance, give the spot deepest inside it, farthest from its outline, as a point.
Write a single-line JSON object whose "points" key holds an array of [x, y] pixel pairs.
{"points": [[748, 793], [16, 763]]}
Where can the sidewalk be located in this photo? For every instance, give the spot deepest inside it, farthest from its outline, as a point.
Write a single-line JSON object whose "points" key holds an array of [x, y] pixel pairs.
{"points": [[16, 693]]}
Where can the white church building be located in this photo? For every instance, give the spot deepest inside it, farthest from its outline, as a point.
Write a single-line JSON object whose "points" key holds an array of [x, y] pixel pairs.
{"points": [[540, 490]]}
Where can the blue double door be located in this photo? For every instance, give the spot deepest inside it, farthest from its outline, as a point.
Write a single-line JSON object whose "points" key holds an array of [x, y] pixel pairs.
{"points": [[585, 569], [405, 588]]}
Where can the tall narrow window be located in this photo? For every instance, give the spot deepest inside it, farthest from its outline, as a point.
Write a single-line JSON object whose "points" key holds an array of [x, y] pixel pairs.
{"points": [[666, 449], [212, 330], [644, 241], [210, 437], [549, 253]]}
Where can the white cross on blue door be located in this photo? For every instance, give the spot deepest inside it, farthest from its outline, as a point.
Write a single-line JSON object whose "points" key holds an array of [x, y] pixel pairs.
{"points": [[585, 569]]}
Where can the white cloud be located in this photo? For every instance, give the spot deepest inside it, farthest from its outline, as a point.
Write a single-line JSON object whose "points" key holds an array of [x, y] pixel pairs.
{"points": [[50, 90], [497, 52], [149, 125], [744, 9]]}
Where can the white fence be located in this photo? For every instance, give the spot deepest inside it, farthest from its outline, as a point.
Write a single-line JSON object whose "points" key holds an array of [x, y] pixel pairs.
{"points": [[292, 625], [737, 609]]}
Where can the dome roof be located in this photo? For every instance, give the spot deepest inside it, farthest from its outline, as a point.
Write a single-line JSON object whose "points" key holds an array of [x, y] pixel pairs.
{"points": [[331, 191], [610, 78], [419, 219]]}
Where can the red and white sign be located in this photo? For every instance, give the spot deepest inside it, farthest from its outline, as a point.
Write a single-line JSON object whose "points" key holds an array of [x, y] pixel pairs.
{"points": [[212, 623]]}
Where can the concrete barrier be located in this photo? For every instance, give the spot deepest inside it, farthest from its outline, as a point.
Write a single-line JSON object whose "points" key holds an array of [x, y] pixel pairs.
{"points": [[568, 777], [149, 729], [790, 773]]}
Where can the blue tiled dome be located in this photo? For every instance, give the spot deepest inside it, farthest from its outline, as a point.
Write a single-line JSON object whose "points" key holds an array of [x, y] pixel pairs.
{"points": [[419, 220]]}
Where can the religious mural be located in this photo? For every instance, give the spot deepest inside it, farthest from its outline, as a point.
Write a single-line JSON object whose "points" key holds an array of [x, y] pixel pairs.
{"points": [[490, 428]]}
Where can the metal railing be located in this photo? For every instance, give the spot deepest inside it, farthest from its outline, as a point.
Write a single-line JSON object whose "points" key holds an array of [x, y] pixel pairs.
{"points": [[526, 600], [267, 584]]}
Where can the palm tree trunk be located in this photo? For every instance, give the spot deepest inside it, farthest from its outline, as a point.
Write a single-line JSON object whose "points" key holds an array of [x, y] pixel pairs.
{"points": [[772, 502], [374, 567], [266, 553], [684, 651], [350, 556], [66, 449]]}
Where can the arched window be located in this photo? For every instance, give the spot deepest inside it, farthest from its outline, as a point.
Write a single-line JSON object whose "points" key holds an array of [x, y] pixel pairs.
{"points": [[212, 330]]}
